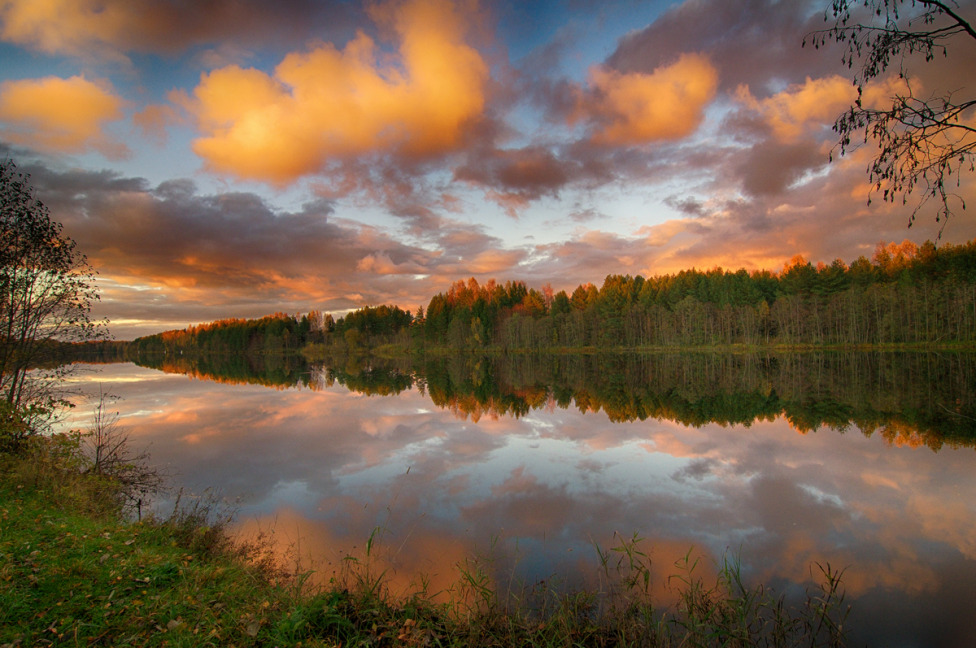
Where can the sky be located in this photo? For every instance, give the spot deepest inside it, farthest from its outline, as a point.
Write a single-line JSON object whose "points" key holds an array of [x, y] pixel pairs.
{"points": [[235, 158]]}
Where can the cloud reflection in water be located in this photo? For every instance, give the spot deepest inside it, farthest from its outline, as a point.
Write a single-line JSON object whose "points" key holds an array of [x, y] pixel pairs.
{"points": [[326, 467]]}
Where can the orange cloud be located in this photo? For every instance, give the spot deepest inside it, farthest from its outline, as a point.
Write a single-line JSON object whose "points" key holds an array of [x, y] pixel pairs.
{"points": [[108, 29], [327, 103], [425, 560], [637, 108], [380, 263], [64, 26], [815, 103], [60, 114], [153, 120]]}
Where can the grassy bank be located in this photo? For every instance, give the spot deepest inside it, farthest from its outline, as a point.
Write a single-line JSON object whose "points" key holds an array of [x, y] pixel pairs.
{"points": [[73, 572]]}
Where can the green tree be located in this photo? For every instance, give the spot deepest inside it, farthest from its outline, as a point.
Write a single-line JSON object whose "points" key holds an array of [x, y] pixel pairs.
{"points": [[925, 143], [353, 338], [560, 304], [46, 294]]}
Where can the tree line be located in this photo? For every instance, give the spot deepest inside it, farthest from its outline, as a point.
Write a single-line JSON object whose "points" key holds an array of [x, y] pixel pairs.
{"points": [[905, 294], [274, 334], [271, 334]]}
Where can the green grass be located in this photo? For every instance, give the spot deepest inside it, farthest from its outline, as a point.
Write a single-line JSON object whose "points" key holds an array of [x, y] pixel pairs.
{"points": [[73, 573]]}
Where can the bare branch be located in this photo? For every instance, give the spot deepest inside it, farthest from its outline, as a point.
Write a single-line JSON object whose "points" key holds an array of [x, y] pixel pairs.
{"points": [[109, 453], [923, 145]]}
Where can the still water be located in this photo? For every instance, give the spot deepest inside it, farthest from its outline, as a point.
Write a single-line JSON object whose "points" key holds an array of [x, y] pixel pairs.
{"points": [[860, 461]]}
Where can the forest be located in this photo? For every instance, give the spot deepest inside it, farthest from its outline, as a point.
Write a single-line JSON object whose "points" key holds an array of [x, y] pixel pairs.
{"points": [[904, 295], [277, 333]]}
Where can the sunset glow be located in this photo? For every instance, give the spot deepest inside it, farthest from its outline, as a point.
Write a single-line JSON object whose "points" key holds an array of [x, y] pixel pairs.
{"points": [[218, 159]]}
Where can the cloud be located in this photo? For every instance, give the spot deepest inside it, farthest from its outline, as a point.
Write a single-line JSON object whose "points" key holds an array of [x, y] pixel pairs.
{"points": [[821, 216], [59, 26], [153, 120], [328, 104], [786, 137], [201, 257], [109, 29], [813, 105], [403, 119], [752, 42], [58, 114], [381, 264], [636, 108], [596, 134], [168, 255], [769, 167], [514, 177], [687, 205], [791, 112]]}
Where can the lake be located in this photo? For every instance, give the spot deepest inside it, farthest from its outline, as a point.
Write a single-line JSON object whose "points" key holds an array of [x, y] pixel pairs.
{"points": [[863, 461]]}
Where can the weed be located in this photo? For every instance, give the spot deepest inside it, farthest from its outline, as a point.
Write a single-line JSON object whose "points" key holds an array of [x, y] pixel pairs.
{"points": [[73, 571], [730, 613], [104, 450]]}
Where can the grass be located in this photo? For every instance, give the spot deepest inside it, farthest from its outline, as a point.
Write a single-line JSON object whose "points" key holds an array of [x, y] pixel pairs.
{"points": [[74, 572]]}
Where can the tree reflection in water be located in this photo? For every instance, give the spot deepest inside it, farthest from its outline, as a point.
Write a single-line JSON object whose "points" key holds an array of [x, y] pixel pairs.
{"points": [[543, 457], [909, 398]]}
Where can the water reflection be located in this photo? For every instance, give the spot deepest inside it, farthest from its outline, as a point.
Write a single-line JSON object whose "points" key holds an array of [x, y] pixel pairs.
{"points": [[909, 398], [702, 454]]}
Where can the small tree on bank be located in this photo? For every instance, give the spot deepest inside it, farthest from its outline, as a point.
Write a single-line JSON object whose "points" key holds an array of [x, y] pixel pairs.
{"points": [[926, 142], [46, 294]]}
